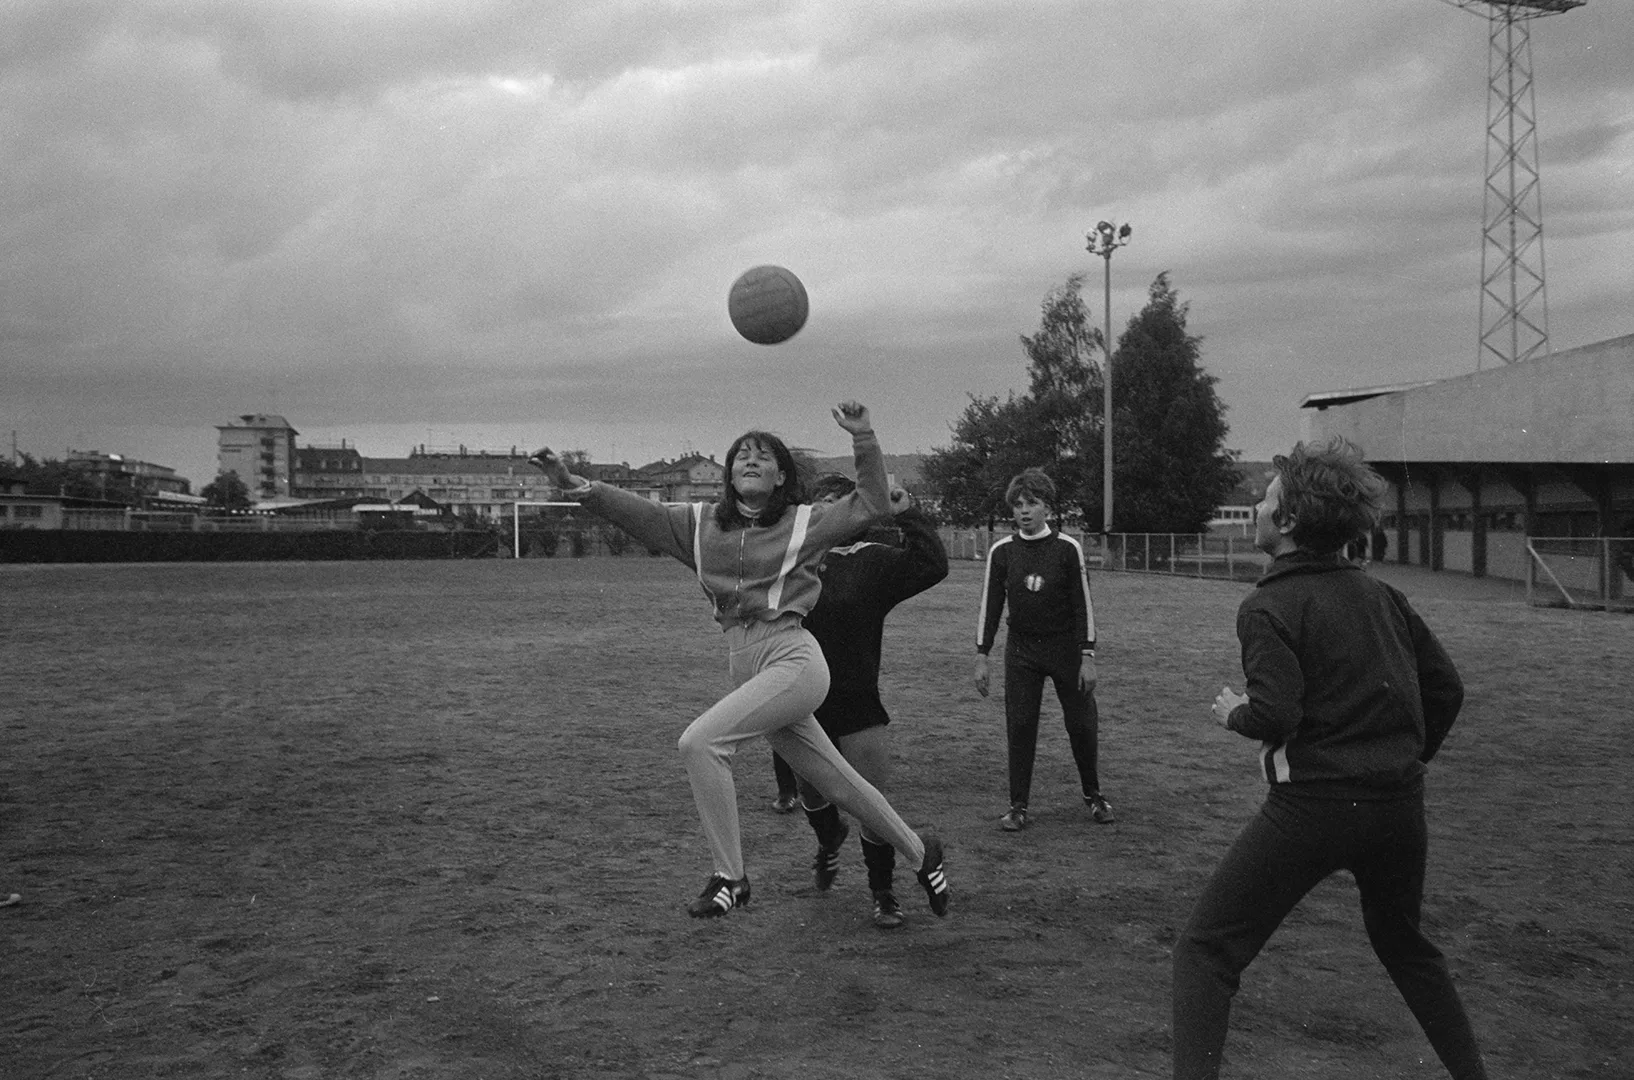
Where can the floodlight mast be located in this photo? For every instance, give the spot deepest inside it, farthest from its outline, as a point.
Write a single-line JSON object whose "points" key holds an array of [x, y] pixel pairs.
{"points": [[1512, 263], [1106, 239]]}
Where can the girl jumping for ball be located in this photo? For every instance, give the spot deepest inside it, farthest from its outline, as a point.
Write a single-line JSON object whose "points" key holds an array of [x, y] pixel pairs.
{"points": [[756, 553]]}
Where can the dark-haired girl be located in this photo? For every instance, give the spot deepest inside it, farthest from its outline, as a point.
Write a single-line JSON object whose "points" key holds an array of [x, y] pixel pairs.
{"points": [[756, 553]]}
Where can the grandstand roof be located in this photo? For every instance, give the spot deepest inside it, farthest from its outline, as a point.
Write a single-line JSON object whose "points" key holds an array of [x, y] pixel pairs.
{"points": [[1574, 407]]}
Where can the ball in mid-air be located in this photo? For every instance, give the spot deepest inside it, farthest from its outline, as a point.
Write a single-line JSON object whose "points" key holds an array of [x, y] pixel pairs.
{"points": [[767, 304]]}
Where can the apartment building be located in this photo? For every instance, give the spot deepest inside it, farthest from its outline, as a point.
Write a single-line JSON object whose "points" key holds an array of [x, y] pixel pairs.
{"points": [[260, 448], [691, 478]]}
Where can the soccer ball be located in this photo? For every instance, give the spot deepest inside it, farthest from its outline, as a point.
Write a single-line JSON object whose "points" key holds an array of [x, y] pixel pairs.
{"points": [[767, 305]]}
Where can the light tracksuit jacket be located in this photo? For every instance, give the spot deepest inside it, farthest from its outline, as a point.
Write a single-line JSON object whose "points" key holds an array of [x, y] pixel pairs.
{"points": [[755, 572]]}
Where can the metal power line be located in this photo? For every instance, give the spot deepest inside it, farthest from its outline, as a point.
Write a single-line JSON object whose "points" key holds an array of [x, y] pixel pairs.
{"points": [[1514, 311]]}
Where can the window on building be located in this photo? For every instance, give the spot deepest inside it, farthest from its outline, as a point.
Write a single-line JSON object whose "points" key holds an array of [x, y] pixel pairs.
{"points": [[28, 513]]}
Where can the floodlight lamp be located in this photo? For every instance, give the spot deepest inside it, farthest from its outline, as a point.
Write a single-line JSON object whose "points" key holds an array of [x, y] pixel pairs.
{"points": [[1123, 233]]}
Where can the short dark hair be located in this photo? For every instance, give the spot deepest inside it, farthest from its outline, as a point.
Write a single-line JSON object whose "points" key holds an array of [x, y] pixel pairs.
{"points": [[1035, 483], [833, 484], [1329, 492], [789, 493]]}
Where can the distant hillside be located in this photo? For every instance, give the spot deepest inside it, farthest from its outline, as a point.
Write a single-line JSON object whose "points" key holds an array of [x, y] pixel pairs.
{"points": [[905, 467]]}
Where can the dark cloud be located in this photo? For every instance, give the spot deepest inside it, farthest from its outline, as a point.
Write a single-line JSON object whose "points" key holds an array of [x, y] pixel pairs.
{"points": [[500, 217]]}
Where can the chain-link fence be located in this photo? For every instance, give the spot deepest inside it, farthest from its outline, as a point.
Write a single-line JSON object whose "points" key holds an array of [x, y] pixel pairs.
{"points": [[1203, 555]]}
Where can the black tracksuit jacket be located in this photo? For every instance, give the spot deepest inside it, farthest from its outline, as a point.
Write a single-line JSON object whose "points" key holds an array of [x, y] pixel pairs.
{"points": [[1349, 690]]}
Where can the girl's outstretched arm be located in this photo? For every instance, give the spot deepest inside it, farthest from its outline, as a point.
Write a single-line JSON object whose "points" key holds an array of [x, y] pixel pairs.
{"points": [[661, 528]]}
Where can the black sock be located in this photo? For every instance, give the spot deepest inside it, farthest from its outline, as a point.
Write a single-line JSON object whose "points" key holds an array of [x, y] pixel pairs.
{"points": [[881, 862], [825, 822]]}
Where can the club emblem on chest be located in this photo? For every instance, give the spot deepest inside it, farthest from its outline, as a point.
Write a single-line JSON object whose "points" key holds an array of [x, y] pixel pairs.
{"points": [[1034, 582]]}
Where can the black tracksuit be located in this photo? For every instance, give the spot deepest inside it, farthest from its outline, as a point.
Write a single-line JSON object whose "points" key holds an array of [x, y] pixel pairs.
{"points": [[1351, 694], [1051, 624]]}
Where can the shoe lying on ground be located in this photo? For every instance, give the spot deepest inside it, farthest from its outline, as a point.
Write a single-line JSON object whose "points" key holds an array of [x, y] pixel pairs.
{"points": [[825, 866], [719, 896], [1015, 820], [887, 912], [786, 804], [1099, 809], [933, 878]]}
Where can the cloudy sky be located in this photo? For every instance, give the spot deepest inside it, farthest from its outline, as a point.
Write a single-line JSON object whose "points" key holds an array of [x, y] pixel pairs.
{"points": [[514, 222]]}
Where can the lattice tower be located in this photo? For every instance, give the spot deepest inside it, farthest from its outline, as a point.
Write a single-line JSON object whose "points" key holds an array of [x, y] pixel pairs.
{"points": [[1514, 310]]}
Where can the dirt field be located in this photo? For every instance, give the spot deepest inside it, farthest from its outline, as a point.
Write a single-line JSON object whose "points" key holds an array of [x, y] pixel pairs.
{"points": [[395, 820]]}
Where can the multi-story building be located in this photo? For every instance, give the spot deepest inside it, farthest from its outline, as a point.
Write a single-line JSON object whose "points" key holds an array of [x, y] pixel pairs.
{"points": [[329, 472], [692, 478], [481, 482], [119, 477], [260, 449]]}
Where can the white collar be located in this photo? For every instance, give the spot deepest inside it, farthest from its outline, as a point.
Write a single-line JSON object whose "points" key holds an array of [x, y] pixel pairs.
{"points": [[1041, 534]]}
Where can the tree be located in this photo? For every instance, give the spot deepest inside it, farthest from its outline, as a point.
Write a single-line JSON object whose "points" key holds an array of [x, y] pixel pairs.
{"points": [[1064, 378], [1048, 426], [992, 442], [227, 492], [1171, 469], [50, 476]]}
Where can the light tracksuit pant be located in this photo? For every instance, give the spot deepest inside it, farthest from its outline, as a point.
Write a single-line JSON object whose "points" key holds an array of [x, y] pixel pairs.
{"points": [[781, 678]]}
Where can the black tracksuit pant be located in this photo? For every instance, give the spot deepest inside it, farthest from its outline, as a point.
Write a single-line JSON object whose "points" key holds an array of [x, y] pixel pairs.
{"points": [[1028, 661], [1292, 844]]}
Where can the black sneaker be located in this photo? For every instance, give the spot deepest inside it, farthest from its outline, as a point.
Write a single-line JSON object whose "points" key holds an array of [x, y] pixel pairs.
{"points": [[825, 865], [887, 912], [1015, 820], [1099, 809], [719, 896], [786, 804], [933, 878]]}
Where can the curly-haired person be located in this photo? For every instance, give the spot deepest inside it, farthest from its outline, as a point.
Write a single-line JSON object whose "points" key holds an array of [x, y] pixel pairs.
{"points": [[1351, 696]]}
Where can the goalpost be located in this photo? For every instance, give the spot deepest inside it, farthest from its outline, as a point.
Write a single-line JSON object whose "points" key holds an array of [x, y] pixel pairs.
{"points": [[1594, 572]]}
